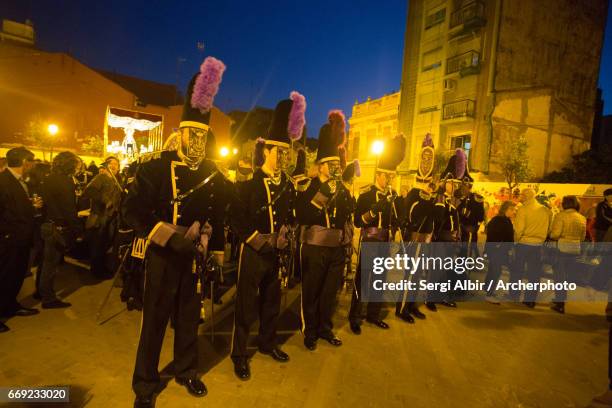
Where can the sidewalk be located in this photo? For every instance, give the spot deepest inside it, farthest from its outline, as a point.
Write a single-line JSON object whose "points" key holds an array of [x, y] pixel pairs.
{"points": [[478, 355]]}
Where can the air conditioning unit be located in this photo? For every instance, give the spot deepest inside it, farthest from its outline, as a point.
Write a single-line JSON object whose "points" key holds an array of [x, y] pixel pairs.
{"points": [[449, 85]]}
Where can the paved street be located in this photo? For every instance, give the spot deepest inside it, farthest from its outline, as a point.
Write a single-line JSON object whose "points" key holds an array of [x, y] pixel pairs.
{"points": [[478, 355]]}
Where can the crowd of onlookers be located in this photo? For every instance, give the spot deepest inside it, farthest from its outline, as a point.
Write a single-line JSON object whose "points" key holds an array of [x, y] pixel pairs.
{"points": [[537, 233], [40, 222]]}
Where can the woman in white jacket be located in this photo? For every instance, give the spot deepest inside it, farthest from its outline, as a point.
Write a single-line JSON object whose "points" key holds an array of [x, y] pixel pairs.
{"points": [[569, 230]]}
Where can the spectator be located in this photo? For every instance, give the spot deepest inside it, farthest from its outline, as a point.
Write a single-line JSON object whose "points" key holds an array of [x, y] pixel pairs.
{"points": [[2, 164], [603, 217], [569, 230], [92, 169], [16, 229], [35, 179], [499, 232], [104, 191], [61, 226], [530, 231]]}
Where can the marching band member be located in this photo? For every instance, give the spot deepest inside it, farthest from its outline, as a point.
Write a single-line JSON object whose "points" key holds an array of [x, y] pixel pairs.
{"points": [[175, 199], [376, 214], [324, 210], [261, 215]]}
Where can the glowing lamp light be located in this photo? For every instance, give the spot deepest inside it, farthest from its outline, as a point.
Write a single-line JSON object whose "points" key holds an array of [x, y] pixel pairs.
{"points": [[224, 151], [52, 129], [235, 151], [378, 147]]}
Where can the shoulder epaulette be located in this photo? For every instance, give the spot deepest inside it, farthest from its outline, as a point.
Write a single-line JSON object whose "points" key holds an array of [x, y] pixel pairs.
{"points": [[301, 183], [365, 188], [424, 195], [150, 156]]}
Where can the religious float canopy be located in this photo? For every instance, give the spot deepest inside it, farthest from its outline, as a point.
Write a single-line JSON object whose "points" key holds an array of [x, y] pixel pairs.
{"points": [[130, 121]]}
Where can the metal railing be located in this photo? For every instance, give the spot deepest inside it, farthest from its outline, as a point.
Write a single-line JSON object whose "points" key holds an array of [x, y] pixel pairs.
{"points": [[472, 12], [458, 109], [468, 63]]}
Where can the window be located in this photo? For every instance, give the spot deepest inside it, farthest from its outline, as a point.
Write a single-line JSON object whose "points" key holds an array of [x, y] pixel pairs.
{"points": [[462, 142], [428, 102], [371, 137], [387, 132], [356, 145], [432, 59], [435, 18]]}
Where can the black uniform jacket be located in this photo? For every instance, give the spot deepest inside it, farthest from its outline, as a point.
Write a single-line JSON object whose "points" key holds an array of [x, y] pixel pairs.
{"points": [[163, 178], [261, 206], [365, 217], [327, 209], [471, 210]]}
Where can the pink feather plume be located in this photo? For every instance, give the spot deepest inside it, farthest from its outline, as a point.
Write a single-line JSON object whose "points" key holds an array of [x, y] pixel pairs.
{"points": [[207, 84], [297, 116], [460, 163]]}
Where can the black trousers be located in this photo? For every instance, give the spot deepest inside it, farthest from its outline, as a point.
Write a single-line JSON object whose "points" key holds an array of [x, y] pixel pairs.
{"points": [[528, 264], [100, 241], [258, 292], [322, 269], [14, 261], [373, 309], [170, 287]]}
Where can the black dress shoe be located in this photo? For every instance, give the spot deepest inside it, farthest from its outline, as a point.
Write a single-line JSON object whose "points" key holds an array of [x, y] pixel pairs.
{"points": [[194, 386], [333, 340], [241, 368], [530, 305], [56, 304], [4, 328], [277, 354], [558, 307], [431, 306], [144, 402], [378, 323], [405, 316], [449, 303], [355, 328], [418, 314], [26, 311], [310, 343]]}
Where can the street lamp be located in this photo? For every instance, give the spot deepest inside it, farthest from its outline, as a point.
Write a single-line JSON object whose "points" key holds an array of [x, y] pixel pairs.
{"points": [[52, 129], [224, 151], [377, 148]]}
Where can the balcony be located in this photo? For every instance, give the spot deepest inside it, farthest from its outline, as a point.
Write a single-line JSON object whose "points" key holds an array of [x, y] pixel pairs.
{"points": [[467, 19], [461, 109], [465, 64]]}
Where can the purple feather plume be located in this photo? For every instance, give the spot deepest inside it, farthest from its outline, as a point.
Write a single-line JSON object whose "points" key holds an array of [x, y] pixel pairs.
{"points": [[427, 141], [297, 116], [338, 125], [357, 168], [460, 163], [207, 84]]}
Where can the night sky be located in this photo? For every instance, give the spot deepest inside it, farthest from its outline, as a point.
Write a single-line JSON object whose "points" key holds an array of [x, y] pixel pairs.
{"points": [[331, 51]]}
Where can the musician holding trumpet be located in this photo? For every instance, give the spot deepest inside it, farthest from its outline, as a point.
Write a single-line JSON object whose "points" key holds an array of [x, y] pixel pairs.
{"points": [[323, 211], [376, 215]]}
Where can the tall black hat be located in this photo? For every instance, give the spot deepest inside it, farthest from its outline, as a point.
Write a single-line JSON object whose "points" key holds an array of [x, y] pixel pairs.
{"points": [[288, 121], [352, 170], [201, 92], [300, 164], [457, 168], [331, 137], [392, 155]]}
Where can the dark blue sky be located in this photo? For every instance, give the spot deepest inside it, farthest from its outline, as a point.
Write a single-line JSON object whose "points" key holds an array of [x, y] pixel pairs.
{"points": [[331, 51]]}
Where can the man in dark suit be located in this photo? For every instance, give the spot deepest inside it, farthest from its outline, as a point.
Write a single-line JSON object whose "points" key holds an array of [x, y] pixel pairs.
{"points": [[16, 230]]}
